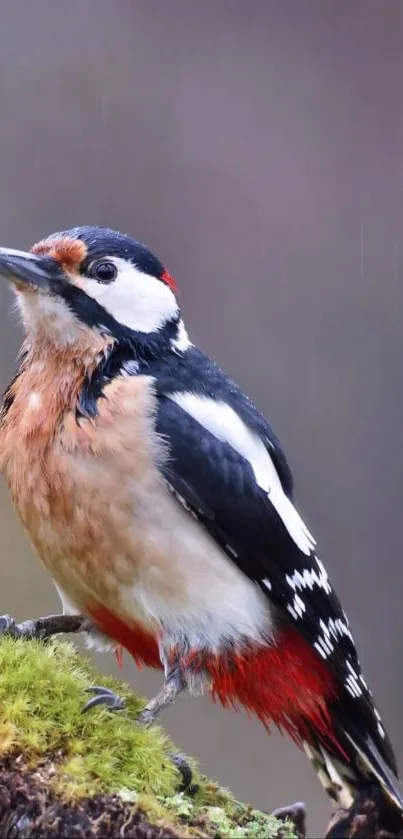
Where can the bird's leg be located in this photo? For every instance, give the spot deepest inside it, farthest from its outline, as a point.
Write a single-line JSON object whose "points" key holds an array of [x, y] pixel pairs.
{"points": [[43, 628], [174, 684]]}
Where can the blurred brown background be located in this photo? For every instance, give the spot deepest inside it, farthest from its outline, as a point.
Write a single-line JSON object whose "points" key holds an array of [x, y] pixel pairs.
{"points": [[257, 147]]}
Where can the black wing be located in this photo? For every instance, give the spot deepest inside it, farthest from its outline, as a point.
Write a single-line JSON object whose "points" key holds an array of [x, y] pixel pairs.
{"points": [[218, 485]]}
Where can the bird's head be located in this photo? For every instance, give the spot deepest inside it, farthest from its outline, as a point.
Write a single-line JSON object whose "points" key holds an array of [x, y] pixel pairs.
{"points": [[91, 282]]}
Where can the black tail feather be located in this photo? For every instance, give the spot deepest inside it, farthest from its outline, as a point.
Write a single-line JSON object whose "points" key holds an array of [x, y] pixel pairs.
{"points": [[355, 768]]}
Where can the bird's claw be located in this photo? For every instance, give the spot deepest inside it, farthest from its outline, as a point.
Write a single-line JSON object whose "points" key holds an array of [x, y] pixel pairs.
{"points": [[103, 696], [181, 764]]}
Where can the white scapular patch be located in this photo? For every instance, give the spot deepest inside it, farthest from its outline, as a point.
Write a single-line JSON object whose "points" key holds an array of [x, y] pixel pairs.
{"points": [[134, 299], [222, 421]]}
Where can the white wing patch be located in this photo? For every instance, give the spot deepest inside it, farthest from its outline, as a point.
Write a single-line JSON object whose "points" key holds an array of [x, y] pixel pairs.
{"points": [[297, 607], [221, 420], [310, 578], [330, 633], [352, 681]]}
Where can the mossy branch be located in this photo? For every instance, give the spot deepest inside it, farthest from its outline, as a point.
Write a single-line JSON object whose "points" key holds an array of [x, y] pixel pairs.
{"points": [[64, 773], [68, 774]]}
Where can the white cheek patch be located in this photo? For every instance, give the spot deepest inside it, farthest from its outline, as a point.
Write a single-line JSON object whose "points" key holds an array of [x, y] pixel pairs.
{"points": [[134, 299], [222, 421]]}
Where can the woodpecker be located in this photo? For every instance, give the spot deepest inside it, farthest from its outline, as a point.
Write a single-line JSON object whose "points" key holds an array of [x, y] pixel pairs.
{"points": [[161, 502]]}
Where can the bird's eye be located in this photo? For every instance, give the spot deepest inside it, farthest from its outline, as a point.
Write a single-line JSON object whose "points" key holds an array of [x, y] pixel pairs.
{"points": [[103, 271]]}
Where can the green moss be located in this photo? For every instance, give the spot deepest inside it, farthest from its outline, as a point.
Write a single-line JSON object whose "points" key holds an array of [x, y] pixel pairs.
{"points": [[42, 691], [229, 819]]}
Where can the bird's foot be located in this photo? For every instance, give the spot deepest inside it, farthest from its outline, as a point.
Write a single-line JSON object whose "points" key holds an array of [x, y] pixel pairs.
{"points": [[43, 628], [105, 696], [296, 814]]}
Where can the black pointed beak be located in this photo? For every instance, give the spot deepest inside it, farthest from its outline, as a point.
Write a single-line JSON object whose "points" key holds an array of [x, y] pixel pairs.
{"points": [[19, 267]]}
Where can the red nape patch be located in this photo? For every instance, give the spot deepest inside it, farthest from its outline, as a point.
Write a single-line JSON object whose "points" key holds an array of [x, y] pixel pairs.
{"points": [[287, 685], [167, 278], [141, 645]]}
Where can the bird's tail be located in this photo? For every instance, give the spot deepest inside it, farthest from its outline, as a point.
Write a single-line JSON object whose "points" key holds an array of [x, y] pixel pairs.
{"points": [[358, 768]]}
